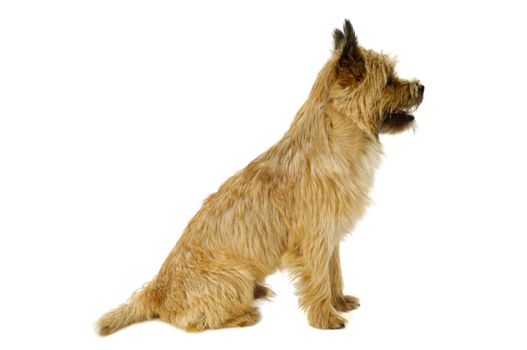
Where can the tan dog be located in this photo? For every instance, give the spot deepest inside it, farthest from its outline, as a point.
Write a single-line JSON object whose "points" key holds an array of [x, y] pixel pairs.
{"points": [[289, 208]]}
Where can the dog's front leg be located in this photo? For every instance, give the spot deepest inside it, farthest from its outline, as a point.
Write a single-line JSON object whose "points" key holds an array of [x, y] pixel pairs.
{"points": [[315, 283], [340, 301]]}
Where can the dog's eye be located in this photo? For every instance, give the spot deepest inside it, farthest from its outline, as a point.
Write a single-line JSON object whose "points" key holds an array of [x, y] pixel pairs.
{"points": [[389, 82]]}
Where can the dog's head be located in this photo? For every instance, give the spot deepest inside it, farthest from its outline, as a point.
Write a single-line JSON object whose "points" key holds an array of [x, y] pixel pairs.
{"points": [[368, 89]]}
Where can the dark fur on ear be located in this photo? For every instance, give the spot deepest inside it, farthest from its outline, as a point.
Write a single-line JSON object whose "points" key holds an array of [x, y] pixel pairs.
{"points": [[345, 42], [338, 40], [350, 59]]}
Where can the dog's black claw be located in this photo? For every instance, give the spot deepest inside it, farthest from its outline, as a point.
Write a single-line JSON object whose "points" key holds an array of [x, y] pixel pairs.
{"points": [[339, 326]]}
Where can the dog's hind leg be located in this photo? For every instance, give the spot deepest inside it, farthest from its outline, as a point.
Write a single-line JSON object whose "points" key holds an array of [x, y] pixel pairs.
{"points": [[248, 318], [218, 298]]}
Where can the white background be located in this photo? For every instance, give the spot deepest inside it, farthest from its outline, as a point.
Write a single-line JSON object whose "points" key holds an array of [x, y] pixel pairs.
{"points": [[117, 118]]}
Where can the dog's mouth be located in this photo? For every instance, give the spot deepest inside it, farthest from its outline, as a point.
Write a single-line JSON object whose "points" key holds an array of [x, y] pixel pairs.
{"points": [[399, 116], [397, 121]]}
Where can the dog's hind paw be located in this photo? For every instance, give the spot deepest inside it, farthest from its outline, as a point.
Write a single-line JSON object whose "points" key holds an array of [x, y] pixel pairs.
{"points": [[262, 292]]}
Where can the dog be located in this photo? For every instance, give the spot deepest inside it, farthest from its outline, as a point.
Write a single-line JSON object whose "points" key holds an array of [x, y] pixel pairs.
{"points": [[289, 208]]}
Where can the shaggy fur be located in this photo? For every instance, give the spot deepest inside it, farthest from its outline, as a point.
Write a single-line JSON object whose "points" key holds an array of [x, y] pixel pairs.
{"points": [[289, 208]]}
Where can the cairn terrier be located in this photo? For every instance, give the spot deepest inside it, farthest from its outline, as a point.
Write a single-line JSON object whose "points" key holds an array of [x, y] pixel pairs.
{"points": [[289, 208]]}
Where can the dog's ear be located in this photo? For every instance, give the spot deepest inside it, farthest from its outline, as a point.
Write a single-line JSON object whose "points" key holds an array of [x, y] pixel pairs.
{"points": [[345, 42], [346, 47]]}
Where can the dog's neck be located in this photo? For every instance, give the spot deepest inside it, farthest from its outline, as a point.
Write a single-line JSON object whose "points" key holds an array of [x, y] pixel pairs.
{"points": [[320, 124], [319, 119], [320, 131]]}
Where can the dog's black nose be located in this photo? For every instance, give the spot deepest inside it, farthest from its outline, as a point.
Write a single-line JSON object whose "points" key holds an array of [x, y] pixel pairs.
{"points": [[421, 89]]}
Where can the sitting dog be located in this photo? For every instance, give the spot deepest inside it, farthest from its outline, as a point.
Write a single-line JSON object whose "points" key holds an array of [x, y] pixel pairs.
{"points": [[289, 208]]}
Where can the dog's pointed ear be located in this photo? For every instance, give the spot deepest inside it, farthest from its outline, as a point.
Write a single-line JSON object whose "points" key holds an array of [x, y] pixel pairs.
{"points": [[350, 59], [345, 43]]}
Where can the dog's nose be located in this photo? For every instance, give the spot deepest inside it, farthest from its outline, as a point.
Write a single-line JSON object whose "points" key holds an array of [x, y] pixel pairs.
{"points": [[421, 89]]}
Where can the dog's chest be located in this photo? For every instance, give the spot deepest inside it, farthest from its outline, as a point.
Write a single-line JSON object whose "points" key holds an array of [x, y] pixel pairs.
{"points": [[353, 199]]}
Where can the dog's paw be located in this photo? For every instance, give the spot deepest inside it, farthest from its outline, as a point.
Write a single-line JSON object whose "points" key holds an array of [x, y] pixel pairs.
{"points": [[346, 303], [263, 292], [326, 320]]}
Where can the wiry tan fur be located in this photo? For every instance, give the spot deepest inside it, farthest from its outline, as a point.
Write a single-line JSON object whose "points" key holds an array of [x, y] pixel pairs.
{"points": [[289, 208]]}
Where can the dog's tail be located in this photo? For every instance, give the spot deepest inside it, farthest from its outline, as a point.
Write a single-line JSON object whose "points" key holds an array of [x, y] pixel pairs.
{"points": [[140, 307]]}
